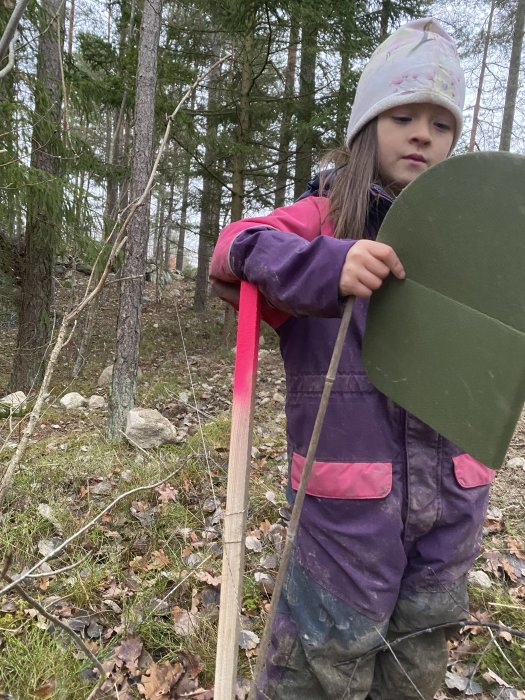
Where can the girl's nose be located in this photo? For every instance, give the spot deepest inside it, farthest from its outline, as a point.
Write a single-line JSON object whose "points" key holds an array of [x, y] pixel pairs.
{"points": [[421, 131]]}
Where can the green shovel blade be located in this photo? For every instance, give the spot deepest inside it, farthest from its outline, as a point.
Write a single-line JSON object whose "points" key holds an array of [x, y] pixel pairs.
{"points": [[448, 343]]}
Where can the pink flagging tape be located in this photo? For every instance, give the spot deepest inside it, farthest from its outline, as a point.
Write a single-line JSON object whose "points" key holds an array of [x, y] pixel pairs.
{"points": [[247, 342]]}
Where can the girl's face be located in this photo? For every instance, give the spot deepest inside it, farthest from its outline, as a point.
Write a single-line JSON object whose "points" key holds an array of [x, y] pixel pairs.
{"points": [[411, 139]]}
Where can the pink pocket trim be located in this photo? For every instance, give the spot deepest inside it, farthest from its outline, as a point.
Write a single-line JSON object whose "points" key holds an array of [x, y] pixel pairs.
{"points": [[344, 479], [470, 473]]}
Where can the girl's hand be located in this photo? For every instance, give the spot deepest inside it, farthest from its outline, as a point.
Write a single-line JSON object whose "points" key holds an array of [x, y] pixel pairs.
{"points": [[366, 265]]}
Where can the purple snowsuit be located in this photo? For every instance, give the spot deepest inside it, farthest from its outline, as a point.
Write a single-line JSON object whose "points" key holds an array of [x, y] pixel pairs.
{"points": [[394, 515]]}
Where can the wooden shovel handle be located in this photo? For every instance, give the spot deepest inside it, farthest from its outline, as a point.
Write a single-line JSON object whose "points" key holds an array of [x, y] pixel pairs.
{"points": [[237, 492]]}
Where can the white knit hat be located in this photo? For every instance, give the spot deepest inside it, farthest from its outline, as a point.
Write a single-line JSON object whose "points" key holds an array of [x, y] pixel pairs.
{"points": [[417, 63]]}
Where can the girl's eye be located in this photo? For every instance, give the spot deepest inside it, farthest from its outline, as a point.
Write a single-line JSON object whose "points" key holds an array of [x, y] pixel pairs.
{"points": [[401, 119], [443, 126]]}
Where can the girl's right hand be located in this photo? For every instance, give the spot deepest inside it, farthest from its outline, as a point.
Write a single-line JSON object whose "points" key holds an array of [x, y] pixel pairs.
{"points": [[366, 265]]}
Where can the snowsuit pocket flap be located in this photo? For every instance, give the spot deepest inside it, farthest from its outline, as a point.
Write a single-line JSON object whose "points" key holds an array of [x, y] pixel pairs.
{"points": [[470, 473], [344, 479]]}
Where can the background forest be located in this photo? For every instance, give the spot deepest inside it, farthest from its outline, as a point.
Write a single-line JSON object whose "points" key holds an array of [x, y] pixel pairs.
{"points": [[130, 133]]}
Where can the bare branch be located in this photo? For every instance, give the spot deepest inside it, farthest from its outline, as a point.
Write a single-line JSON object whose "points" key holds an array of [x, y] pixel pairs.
{"points": [[9, 34], [459, 623], [55, 572], [56, 621]]}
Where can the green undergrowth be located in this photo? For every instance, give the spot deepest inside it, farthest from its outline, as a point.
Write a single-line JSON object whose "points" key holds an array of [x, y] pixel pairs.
{"points": [[33, 658], [54, 494], [157, 554], [496, 651]]}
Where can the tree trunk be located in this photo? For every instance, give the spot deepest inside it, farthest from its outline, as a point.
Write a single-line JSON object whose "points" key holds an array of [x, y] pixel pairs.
{"points": [[125, 367], [44, 206], [115, 127], [306, 106], [386, 11], [286, 133], [513, 79], [210, 202], [477, 104], [10, 200], [183, 216], [243, 120]]}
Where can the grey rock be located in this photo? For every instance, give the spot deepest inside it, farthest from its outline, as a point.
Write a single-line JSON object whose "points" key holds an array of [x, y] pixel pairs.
{"points": [[73, 400], [96, 401], [147, 428], [265, 582], [14, 400], [479, 579], [514, 463], [105, 376]]}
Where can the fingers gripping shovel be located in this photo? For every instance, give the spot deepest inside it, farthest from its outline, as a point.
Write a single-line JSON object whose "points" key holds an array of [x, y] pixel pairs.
{"points": [[237, 493]]}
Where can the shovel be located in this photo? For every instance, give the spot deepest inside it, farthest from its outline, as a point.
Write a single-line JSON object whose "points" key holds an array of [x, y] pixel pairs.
{"points": [[448, 342]]}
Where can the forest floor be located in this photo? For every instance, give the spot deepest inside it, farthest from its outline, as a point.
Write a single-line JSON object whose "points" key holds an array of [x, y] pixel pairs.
{"points": [[144, 588]]}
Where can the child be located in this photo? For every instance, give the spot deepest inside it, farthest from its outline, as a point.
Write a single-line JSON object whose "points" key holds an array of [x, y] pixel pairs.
{"points": [[394, 514]]}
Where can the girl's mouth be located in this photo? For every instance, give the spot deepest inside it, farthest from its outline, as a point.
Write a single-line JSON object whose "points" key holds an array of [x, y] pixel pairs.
{"points": [[415, 157]]}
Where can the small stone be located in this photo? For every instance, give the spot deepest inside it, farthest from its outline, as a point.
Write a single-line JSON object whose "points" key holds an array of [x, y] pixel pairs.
{"points": [[516, 463], [480, 579], [278, 398], [192, 560], [269, 562], [265, 582], [96, 401], [248, 639], [253, 544], [210, 505], [101, 488], [94, 630], [105, 376], [73, 400]]}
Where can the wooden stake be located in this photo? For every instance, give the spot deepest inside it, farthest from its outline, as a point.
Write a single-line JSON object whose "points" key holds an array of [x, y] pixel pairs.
{"points": [[301, 492], [237, 492]]}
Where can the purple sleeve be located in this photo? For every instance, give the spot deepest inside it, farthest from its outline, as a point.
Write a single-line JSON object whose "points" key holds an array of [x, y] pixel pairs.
{"points": [[297, 276]]}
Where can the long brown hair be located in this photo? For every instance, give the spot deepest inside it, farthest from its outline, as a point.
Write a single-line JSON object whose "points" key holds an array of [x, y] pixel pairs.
{"points": [[357, 167]]}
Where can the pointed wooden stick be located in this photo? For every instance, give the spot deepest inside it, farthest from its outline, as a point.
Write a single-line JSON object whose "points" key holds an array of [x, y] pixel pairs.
{"points": [[301, 491], [237, 492]]}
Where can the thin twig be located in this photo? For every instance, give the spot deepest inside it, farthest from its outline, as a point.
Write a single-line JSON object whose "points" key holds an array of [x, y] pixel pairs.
{"points": [[95, 690], [389, 647], [498, 645], [478, 663], [83, 529], [201, 432], [177, 585], [56, 621], [301, 492], [428, 630], [55, 572], [506, 605]]}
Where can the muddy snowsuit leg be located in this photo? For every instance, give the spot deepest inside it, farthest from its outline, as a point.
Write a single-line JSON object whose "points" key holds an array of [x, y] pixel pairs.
{"points": [[369, 569]]}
